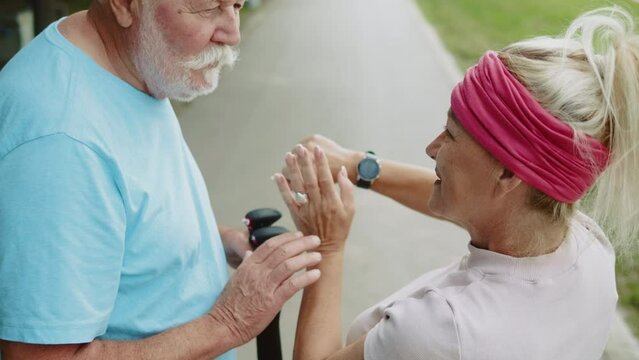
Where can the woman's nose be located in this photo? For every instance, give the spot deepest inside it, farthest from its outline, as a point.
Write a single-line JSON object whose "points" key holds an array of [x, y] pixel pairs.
{"points": [[433, 148]]}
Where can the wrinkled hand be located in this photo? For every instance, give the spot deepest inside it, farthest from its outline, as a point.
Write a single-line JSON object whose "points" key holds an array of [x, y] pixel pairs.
{"points": [[336, 154], [327, 214], [236, 244], [264, 282]]}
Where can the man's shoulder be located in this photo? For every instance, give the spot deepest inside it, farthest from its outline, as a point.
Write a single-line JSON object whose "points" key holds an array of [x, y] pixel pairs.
{"points": [[34, 86], [45, 90], [27, 103], [38, 68]]}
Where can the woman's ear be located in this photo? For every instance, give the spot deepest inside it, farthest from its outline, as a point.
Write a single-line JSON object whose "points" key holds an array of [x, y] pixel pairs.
{"points": [[124, 11], [507, 182]]}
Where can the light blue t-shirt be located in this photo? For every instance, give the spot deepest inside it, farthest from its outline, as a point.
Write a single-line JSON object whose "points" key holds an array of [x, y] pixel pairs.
{"points": [[106, 230]]}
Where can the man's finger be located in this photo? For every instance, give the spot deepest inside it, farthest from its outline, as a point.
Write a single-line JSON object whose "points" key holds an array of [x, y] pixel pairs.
{"points": [[294, 284], [289, 267], [264, 251], [290, 249]]}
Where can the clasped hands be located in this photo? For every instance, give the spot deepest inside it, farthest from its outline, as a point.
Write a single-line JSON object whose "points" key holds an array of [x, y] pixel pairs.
{"points": [[266, 278], [325, 211]]}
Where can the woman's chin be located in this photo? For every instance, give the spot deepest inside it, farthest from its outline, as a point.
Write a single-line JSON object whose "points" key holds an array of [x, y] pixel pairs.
{"points": [[433, 205]]}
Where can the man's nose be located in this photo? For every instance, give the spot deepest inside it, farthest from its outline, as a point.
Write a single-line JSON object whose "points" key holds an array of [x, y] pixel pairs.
{"points": [[227, 31]]}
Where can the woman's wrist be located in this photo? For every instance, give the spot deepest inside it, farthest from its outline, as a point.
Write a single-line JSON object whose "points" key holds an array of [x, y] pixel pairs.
{"points": [[328, 248], [351, 165], [330, 260]]}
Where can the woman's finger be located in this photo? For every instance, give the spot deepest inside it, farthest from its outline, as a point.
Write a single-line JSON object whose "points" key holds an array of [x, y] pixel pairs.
{"points": [[294, 173], [346, 189], [285, 192], [324, 176], [287, 174], [307, 168]]}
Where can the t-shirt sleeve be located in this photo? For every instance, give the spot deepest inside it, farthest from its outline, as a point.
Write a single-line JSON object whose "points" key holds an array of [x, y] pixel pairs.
{"points": [[62, 230], [419, 327]]}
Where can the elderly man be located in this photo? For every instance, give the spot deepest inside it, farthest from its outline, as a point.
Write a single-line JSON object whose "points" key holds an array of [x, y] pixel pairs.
{"points": [[109, 248]]}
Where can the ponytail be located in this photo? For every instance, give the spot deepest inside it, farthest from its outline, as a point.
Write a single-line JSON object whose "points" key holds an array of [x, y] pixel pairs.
{"points": [[589, 78], [608, 34]]}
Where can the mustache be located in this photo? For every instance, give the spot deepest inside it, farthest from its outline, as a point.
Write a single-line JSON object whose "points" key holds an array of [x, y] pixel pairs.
{"points": [[223, 55]]}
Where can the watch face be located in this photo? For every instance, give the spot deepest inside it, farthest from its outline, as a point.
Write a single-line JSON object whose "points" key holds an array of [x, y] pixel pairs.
{"points": [[368, 169]]}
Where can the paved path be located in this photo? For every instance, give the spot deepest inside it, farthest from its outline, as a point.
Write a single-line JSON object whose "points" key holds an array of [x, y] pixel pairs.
{"points": [[367, 73]]}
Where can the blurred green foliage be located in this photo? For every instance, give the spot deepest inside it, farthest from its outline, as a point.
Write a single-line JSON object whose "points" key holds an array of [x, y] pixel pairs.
{"points": [[628, 288], [469, 27]]}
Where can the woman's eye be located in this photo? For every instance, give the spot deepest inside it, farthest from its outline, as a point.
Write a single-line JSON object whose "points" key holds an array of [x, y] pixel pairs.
{"points": [[446, 132]]}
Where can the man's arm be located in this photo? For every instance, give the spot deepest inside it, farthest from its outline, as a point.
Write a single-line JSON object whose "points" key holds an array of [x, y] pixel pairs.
{"points": [[409, 185], [255, 293], [203, 338]]}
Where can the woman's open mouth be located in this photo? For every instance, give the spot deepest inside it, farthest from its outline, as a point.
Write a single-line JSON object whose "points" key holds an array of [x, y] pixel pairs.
{"points": [[439, 178]]}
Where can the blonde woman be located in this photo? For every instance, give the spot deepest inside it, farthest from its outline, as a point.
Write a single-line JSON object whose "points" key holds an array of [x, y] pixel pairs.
{"points": [[532, 129]]}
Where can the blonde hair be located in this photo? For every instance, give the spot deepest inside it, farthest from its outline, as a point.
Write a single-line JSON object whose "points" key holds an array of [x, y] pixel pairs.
{"points": [[589, 78]]}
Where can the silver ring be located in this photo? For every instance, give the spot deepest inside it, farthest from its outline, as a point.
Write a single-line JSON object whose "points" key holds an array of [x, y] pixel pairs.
{"points": [[300, 198]]}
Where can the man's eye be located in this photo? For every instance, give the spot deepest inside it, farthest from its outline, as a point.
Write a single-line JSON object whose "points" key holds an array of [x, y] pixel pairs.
{"points": [[208, 12]]}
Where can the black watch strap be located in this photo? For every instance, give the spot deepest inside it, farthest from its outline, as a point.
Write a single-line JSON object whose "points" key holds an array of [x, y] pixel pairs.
{"points": [[363, 183]]}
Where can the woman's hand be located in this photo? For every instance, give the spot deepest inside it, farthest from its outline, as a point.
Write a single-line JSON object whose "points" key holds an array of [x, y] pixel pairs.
{"points": [[337, 155], [327, 212]]}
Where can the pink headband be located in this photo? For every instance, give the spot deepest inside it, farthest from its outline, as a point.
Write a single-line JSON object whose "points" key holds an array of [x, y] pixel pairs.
{"points": [[504, 118]]}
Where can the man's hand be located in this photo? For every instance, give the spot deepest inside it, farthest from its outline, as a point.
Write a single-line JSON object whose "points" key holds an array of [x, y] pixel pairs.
{"points": [[236, 244], [255, 293], [264, 282], [337, 156]]}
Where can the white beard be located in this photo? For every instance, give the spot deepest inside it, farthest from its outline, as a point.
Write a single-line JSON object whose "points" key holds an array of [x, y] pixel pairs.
{"points": [[169, 74]]}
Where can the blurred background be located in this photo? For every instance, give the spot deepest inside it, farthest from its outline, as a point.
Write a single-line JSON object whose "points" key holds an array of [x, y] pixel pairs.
{"points": [[370, 74]]}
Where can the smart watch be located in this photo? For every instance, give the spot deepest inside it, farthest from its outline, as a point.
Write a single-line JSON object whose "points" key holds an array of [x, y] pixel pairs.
{"points": [[368, 170]]}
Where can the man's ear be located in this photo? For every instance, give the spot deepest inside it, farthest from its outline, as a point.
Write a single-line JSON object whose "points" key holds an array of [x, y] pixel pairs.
{"points": [[125, 11], [507, 182]]}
